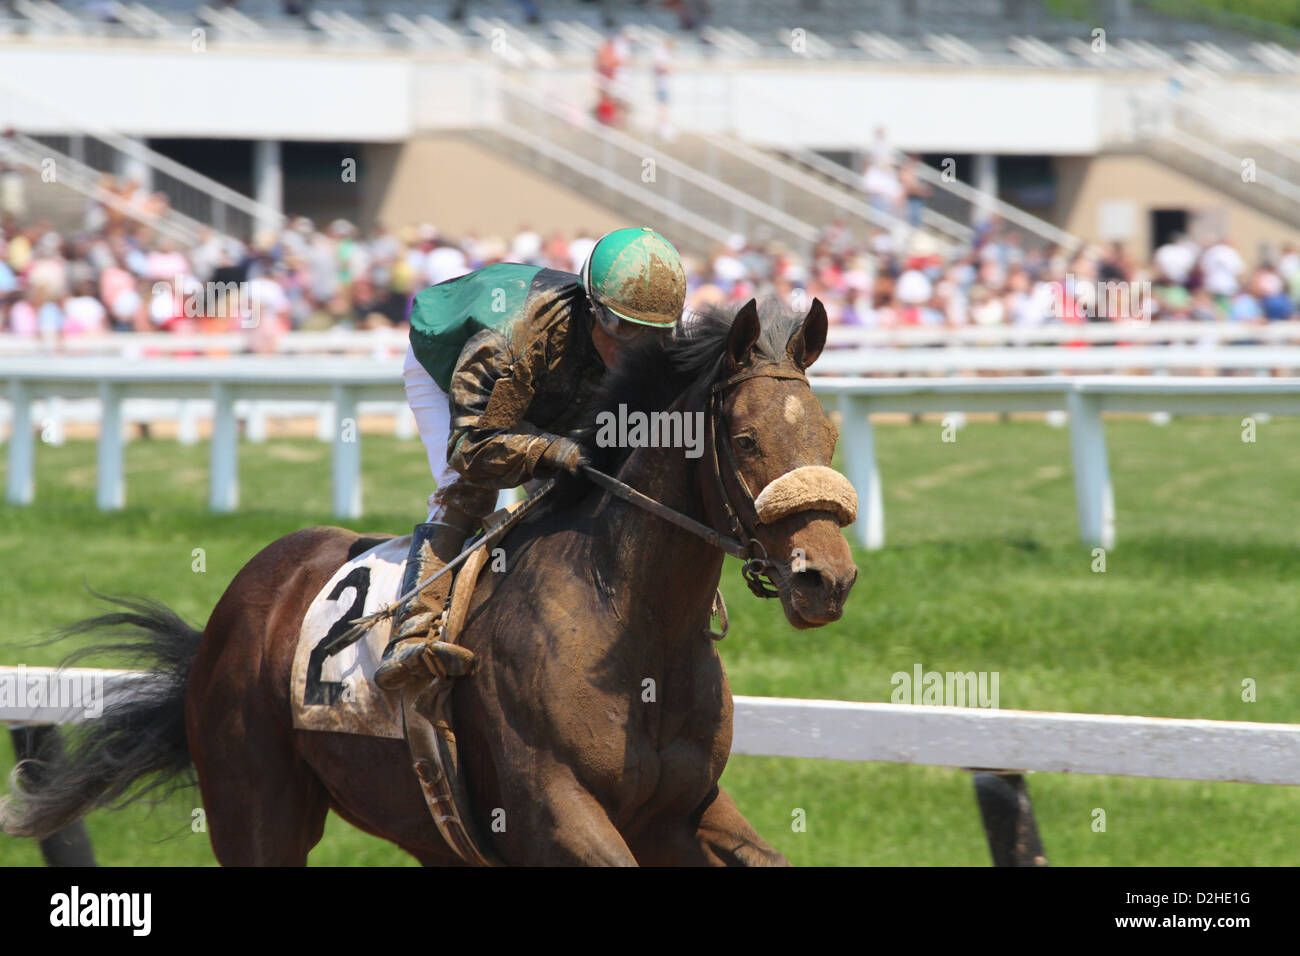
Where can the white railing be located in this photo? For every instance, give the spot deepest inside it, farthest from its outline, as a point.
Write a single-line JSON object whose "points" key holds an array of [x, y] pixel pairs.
{"points": [[342, 385], [974, 737], [190, 192], [1093, 333], [1222, 125], [666, 210], [85, 180], [977, 200], [852, 203], [1056, 358], [55, 416], [1185, 124], [785, 180], [681, 184], [378, 343], [387, 342], [847, 179], [1083, 398], [807, 117], [960, 737]]}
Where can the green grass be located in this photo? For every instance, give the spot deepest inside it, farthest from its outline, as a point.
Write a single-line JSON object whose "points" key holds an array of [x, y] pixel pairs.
{"points": [[982, 571]]}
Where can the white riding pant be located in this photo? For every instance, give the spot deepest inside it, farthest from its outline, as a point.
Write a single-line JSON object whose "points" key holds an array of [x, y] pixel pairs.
{"points": [[433, 420]]}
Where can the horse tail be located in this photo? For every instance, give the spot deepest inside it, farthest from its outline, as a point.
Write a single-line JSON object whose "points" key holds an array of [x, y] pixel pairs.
{"points": [[139, 737]]}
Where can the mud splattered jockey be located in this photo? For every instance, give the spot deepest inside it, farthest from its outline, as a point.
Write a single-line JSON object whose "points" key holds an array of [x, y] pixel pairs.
{"points": [[501, 371]]}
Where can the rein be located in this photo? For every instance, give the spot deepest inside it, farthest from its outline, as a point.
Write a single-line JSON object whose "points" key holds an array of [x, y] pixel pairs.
{"points": [[646, 503], [758, 570], [742, 543], [491, 535]]}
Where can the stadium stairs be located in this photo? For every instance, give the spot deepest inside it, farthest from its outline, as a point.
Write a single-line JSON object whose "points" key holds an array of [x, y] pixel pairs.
{"points": [[1246, 157]]}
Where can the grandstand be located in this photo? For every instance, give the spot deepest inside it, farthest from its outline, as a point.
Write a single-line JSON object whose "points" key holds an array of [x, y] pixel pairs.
{"points": [[919, 31]]}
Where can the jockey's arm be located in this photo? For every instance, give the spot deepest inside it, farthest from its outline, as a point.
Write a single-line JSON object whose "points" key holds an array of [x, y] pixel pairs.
{"points": [[491, 390]]}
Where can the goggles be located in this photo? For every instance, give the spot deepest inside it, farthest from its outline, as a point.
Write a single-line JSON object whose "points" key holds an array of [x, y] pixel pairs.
{"points": [[620, 330]]}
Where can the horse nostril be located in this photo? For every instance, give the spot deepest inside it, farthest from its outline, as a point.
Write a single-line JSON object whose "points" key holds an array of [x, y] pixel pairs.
{"points": [[808, 580]]}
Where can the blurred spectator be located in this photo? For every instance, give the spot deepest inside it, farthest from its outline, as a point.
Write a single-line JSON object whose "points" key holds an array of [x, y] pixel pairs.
{"points": [[610, 59], [1176, 259], [84, 314], [445, 261], [1221, 267], [880, 153], [661, 59], [1268, 288], [884, 190], [915, 190], [125, 276], [527, 247]]}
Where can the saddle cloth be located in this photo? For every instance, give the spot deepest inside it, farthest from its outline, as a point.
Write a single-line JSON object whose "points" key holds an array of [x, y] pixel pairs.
{"points": [[338, 693]]}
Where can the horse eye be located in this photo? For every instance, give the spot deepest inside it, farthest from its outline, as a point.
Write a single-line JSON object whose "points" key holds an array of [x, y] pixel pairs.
{"points": [[746, 442]]}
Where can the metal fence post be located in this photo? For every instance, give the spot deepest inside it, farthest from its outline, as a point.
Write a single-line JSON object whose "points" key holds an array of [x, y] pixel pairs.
{"points": [[21, 485]]}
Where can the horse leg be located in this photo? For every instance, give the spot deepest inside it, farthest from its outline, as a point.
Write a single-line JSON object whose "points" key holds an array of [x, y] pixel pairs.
{"points": [[263, 809], [716, 834], [264, 805], [564, 826]]}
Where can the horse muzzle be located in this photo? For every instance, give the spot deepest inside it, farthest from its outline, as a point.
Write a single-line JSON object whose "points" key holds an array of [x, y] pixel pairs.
{"points": [[813, 590], [809, 488]]}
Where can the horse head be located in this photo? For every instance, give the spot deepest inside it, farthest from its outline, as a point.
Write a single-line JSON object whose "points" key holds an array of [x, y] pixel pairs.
{"points": [[768, 478]]}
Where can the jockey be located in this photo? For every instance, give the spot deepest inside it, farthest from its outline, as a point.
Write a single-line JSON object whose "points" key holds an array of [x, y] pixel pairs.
{"points": [[501, 365]]}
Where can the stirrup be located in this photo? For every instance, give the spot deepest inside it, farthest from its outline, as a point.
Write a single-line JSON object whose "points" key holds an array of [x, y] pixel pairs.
{"points": [[412, 627]]}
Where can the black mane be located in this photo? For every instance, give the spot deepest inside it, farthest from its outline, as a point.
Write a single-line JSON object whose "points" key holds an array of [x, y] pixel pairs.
{"points": [[651, 375]]}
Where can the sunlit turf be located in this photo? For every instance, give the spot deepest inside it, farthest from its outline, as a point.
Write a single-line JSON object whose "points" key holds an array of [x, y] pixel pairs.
{"points": [[982, 571]]}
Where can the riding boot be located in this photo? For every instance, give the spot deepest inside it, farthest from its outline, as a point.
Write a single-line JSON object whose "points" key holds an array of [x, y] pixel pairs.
{"points": [[460, 509]]}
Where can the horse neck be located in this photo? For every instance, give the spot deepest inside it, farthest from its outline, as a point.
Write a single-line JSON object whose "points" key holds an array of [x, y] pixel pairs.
{"points": [[655, 570]]}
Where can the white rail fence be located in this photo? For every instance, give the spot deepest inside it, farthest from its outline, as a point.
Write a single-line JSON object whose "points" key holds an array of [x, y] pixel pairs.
{"points": [[54, 414], [1083, 398], [988, 743], [345, 386], [962, 737], [1050, 359], [387, 342]]}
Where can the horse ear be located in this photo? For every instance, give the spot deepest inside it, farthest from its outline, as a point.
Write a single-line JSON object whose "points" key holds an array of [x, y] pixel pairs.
{"points": [[744, 333], [806, 344]]}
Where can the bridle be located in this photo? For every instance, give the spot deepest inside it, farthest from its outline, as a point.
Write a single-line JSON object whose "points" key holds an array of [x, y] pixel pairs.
{"points": [[759, 570]]}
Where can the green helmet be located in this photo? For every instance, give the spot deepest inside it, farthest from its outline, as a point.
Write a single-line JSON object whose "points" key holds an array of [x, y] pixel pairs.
{"points": [[637, 275]]}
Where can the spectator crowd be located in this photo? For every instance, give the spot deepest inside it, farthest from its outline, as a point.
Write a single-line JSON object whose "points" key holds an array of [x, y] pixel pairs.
{"points": [[117, 275]]}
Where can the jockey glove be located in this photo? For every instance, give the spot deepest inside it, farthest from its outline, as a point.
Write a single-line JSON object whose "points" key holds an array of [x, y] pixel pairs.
{"points": [[563, 454]]}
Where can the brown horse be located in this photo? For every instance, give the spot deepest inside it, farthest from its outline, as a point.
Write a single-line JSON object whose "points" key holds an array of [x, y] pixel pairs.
{"points": [[599, 720]]}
